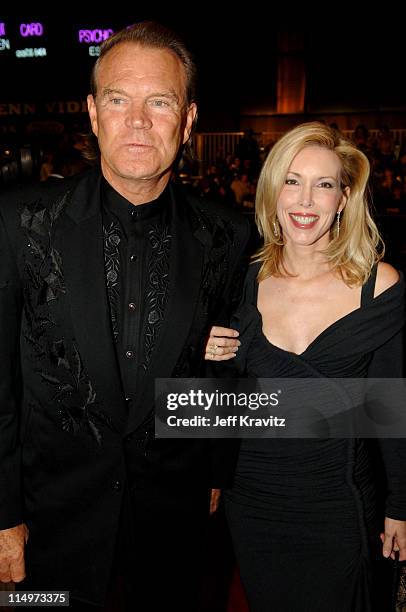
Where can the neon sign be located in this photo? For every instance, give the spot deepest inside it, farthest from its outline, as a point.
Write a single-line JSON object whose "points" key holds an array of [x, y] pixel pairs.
{"points": [[2, 29], [31, 29], [94, 36], [31, 52], [4, 44]]}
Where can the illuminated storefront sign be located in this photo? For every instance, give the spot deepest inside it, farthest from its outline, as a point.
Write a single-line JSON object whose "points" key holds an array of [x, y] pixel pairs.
{"points": [[31, 29], [31, 52], [4, 44], [58, 107], [94, 36]]}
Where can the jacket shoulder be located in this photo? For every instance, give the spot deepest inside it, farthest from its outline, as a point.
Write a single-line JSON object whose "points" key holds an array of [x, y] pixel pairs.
{"points": [[17, 196]]}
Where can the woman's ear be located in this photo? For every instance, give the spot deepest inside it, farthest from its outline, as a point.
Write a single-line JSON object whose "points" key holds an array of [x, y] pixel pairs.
{"points": [[344, 199]]}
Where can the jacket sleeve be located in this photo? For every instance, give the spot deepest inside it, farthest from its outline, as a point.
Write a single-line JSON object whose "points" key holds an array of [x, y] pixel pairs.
{"points": [[387, 362], [10, 384], [224, 452], [239, 260]]}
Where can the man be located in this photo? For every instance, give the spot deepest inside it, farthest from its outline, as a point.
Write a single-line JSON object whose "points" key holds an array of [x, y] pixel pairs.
{"points": [[106, 283]]}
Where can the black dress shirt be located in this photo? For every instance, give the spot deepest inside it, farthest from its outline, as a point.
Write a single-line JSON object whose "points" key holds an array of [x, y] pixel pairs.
{"points": [[136, 250]]}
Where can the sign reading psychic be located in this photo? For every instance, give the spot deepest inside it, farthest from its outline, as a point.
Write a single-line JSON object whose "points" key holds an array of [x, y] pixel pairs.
{"points": [[94, 37]]}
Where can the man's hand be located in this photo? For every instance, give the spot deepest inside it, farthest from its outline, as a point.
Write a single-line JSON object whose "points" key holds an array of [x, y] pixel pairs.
{"points": [[214, 500], [12, 543], [222, 344], [394, 539]]}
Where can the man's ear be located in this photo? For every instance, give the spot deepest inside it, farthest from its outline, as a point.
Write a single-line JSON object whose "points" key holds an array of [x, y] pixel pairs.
{"points": [[190, 119], [91, 107]]}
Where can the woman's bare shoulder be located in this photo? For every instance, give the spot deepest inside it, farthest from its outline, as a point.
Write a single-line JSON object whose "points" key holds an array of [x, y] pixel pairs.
{"points": [[386, 276]]}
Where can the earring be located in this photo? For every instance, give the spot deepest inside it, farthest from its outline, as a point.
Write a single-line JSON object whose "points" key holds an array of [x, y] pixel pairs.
{"points": [[338, 223], [276, 231]]}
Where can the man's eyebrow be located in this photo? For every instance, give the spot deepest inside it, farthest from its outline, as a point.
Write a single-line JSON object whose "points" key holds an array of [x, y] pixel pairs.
{"points": [[161, 94], [165, 94], [107, 90], [171, 95]]}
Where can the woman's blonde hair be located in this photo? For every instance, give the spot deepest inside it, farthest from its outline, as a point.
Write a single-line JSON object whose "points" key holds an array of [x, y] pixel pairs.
{"points": [[357, 246]]}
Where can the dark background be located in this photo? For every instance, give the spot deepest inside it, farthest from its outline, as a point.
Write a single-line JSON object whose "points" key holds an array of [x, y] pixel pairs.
{"points": [[352, 63]]}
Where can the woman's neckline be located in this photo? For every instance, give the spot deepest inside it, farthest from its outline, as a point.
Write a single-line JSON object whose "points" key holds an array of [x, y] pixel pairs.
{"points": [[329, 327]]}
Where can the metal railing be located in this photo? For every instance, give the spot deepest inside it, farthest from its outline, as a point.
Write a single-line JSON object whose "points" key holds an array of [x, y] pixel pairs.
{"points": [[211, 146]]}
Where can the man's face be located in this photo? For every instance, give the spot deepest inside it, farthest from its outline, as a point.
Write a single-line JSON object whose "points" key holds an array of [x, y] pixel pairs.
{"points": [[139, 115]]}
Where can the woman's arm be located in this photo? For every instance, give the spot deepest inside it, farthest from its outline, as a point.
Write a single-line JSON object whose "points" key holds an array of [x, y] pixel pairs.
{"points": [[387, 362]]}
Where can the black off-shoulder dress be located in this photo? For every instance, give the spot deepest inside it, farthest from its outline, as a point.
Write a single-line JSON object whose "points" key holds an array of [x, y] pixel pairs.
{"points": [[304, 513]]}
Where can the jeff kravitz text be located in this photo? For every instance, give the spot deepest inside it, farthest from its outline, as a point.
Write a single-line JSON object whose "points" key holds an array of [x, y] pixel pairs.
{"points": [[229, 421]]}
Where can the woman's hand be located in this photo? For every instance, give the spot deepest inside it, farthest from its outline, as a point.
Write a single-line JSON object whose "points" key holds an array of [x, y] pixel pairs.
{"points": [[394, 539], [222, 344]]}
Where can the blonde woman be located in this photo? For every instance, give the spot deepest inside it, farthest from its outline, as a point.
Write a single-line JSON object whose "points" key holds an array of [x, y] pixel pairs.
{"points": [[317, 302]]}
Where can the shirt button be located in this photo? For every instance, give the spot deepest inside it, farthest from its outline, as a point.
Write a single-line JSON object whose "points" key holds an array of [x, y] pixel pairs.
{"points": [[132, 306], [129, 354], [116, 485], [133, 258]]}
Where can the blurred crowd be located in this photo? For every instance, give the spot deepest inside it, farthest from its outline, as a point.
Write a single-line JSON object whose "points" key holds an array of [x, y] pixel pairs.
{"points": [[233, 176], [388, 168]]}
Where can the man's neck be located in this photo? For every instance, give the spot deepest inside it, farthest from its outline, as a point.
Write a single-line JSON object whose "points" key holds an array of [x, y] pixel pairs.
{"points": [[137, 192]]}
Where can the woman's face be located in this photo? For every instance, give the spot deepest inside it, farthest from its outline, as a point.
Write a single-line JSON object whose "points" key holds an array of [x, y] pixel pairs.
{"points": [[311, 197]]}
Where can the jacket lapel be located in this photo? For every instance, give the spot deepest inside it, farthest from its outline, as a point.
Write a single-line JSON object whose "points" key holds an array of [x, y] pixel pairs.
{"points": [[188, 247], [83, 261]]}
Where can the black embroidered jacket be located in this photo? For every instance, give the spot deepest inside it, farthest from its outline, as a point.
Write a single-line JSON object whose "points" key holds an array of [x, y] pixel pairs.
{"points": [[68, 439]]}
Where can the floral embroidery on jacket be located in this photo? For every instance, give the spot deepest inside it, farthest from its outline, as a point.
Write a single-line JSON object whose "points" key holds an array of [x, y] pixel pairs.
{"points": [[112, 239], [158, 284], [216, 266], [57, 361], [45, 270], [76, 417]]}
